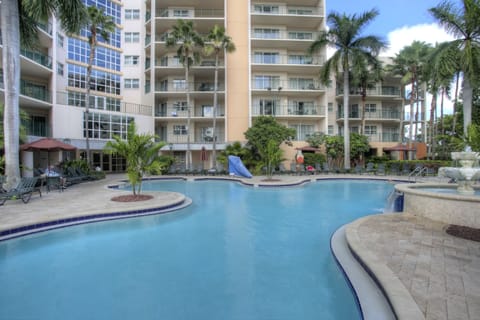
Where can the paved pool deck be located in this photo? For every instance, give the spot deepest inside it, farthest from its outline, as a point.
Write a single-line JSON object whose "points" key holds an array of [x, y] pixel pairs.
{"points": [[424, 272]]}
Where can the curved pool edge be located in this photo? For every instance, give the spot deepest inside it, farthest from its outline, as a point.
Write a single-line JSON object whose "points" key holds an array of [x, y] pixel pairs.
{"points": [[399, 298], [179, 201]]}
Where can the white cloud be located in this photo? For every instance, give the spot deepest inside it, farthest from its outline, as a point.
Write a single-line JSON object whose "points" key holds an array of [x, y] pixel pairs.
{"points": [[429, 33]]}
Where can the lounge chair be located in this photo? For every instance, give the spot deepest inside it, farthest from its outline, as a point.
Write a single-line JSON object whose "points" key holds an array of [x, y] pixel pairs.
{"points": [[370, 168], [326, 168], [358, 169], [381, 169], [23, 190], [394, 169]]}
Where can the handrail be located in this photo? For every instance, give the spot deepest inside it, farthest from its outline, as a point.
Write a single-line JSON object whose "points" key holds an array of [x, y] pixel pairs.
{"points": [[418, 171]]}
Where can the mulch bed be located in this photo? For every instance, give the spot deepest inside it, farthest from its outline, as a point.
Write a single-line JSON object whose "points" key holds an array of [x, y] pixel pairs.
{"points": [[464, 232], [132, 198]]}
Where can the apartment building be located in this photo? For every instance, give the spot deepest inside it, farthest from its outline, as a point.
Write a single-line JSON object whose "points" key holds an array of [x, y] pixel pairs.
{"points": [[136, 77]]}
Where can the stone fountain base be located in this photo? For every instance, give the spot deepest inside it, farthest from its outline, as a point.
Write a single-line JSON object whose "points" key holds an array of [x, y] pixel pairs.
{"points": [[458, 209]]}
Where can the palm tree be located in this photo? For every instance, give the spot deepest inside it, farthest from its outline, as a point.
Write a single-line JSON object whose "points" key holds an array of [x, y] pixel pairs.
{"points": [[188, 41], [366, 76], [351, 49], [18, 24], [463, 23], [141, 153], [101, 25], [409, 63], [217, 41]]}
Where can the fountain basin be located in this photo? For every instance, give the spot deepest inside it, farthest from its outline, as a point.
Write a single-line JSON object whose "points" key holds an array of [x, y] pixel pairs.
{"points": [[447, 207]]}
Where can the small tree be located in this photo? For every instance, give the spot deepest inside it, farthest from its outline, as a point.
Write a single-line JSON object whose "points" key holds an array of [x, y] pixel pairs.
{"points": [[141, 153], [272, 157], [266, 135]]}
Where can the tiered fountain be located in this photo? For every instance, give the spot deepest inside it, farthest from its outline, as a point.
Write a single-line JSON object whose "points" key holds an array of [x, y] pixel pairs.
{"points": [[458, 203], [465, 175]]}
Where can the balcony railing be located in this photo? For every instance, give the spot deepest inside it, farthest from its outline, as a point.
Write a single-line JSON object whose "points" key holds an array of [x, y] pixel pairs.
{"points": [[378, 91], [46, 26], [37, 57], [173, 111], [284, 85], [284, 35], [285, 59], [285, 110], [197, 13], [197, 86], [76, 99], [381, 115], [298, 11], [175, 63], [384, 137], [197, 138]]}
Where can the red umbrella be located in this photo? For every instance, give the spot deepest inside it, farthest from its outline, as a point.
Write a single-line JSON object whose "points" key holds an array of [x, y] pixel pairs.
{"points": [[203, 154], [47, 144]]}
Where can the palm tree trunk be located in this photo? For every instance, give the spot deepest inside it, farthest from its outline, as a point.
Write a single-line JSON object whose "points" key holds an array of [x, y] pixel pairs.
{"points": [[87, 101], [410, 131], [346, 131], [433, 106], [467, 103], [9, 20], [215, 107], [441, 110], [188, 156], [455, 104]]}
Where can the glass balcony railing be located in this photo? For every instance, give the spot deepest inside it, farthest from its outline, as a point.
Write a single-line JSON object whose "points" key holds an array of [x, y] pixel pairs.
{"points": [[287, 59], [378, 91], [384, 137], [180, 87], [277, 10], [186, 13], [38, 57], [181, 112], [276, 34]]}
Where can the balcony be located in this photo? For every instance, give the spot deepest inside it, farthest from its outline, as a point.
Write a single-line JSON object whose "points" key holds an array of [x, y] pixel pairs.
{"points": [[171, 110], [384, 137], [179, 141], [287, 59], [287, 85], [37, 57], [175, 63], [268, 14], [378, 91], [289, 111], [378, 115], [194, 87], [186, 13]]}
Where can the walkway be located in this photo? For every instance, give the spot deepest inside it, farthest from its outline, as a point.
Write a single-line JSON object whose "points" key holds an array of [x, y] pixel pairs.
{"points": [[426, 272]]}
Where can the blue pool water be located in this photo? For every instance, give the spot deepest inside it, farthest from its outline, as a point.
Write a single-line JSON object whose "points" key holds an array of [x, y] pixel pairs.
{"points": [[236, 253]]}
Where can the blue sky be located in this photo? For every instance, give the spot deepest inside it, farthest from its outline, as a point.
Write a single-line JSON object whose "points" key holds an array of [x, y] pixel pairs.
{"points": [[399, 22]]}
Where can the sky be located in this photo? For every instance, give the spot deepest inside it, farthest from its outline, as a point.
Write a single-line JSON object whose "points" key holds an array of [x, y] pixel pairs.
{"points": [[399, 22]]}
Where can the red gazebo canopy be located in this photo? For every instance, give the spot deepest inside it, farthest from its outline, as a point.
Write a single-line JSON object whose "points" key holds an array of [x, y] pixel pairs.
{"points": [[47, 144]]}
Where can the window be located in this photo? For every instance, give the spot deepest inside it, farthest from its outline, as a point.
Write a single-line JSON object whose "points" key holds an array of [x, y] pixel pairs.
{"points": [[266, 57], [265, 82], [180, 129], [179, 84], [132, 14], [370, 107], [330, 107], [330, 130], [60, 40], [180, 13], [369, 130], [132, 37], [105, 126], [131, 60], [266, 33], [60, 68], [132, 83], [303, 131], [263, 8], [180, 105]]}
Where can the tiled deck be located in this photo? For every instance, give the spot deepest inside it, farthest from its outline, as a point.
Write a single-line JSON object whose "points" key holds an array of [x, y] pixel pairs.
{"points": [[425, 272]]}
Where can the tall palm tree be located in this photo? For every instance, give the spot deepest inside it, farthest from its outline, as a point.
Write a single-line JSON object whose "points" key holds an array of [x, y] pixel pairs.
{"points": [[409, 63], [217, 42], [365, 76], [18, 24], [351, 49], [101, 25], [463, 22], [189, 41]]}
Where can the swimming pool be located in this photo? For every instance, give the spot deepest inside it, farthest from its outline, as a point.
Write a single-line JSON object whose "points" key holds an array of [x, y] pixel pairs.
{"points": [[236, 253]]}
